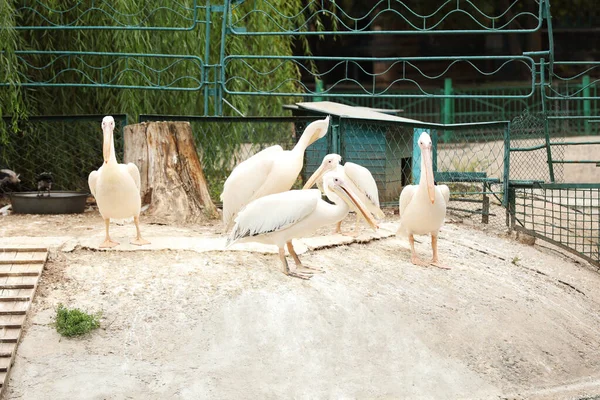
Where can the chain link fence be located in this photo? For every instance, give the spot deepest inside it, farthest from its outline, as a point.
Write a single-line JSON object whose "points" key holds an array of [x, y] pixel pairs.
{"points": [[543, 154], [566, 215], [69, 147], [469, 158]]}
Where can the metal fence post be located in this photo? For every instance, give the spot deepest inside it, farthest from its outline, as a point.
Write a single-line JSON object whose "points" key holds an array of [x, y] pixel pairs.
{"points": [[318, 89], [510, 209], [335, 136], [587, 104], [505, 199], [448, 116]]}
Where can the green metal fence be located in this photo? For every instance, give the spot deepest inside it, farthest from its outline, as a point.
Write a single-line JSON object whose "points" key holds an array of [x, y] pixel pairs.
{"points": [[70, 147], [542, 154], [566, 215]]}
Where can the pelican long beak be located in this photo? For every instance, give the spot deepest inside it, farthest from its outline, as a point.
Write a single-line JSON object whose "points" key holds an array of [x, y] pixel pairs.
{"points": [[354, 202], [426, 154], [318, 174], [107, 131]]}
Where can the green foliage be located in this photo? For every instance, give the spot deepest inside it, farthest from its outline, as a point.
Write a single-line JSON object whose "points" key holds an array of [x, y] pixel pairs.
{"points": [[11, 100], [74, 322], [85, 100]]}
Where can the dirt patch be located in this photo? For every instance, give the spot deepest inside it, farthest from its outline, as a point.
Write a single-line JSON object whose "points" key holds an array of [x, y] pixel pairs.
{"points": [[508, 321]]}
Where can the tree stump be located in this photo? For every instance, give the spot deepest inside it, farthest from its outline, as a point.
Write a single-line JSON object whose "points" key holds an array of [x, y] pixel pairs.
{"points": [[172, 179]]}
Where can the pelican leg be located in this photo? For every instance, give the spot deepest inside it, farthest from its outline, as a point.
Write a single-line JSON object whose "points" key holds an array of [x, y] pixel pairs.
{"points": [[356, 232], [435, 261], [138, 241], [286, 268], [107, 241], [299, 266], [338, 228], [413, 256]]}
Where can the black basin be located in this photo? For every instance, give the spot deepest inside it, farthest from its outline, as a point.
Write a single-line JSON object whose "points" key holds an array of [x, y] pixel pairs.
{"points": [[59, 202]]}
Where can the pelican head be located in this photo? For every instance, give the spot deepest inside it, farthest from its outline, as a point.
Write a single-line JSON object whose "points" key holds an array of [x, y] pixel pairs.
{"points": [[426, 146], [330, 163], [316, 130], [108, 125], [337, 189]]}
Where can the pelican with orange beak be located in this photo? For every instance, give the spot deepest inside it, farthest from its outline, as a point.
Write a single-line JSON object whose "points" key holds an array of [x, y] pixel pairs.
{"points": [[423, 206], [278, 218], [359, 179], [116, 187]]}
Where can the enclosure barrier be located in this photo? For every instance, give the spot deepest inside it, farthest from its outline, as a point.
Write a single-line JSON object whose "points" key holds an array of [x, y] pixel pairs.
{"points": [[70, 147], [566, 215]]}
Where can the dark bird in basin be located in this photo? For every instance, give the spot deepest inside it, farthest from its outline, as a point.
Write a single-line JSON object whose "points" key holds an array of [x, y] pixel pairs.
{"points": [[44, 183]]}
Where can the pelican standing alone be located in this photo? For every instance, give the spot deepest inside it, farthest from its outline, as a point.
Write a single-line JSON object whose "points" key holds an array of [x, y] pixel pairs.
{"points": [[279, 218], [359, 180], [272, 170], [423, 206], [116, 187]]}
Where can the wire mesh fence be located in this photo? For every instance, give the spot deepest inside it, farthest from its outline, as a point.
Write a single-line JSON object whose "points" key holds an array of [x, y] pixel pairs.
{"points": [[530, 150], [69, 147], [468, 158], [566, 215]]}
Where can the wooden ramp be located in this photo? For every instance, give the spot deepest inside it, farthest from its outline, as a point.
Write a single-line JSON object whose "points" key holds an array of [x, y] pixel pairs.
{"points": [[20, 270]]}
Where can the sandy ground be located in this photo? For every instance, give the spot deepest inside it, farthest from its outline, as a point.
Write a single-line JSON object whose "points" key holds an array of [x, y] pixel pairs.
{"points": [[508, 321]]}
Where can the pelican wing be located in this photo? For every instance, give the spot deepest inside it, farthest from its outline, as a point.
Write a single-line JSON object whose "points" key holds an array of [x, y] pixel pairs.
{"points": [[445, 192], [92, 181], [245, 181], [406, 197], [274, 212], [134, 172], [365, 183]]}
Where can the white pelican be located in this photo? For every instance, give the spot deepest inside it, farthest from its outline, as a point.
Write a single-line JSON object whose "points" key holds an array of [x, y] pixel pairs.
{"points": [[116, 187], [359, 180], [423, 206], [269, 171], [278, 218]]}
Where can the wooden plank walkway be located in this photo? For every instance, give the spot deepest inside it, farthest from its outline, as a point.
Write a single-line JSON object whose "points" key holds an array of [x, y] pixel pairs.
{"points": [[20, 271]]}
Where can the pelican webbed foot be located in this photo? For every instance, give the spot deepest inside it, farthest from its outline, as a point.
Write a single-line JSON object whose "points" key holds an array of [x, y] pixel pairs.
{"points": [[435, 261], [292, 272], [439, 265], [107, 241], [354, 233], [417, 261], [413, 254], [299, 266], [139, 241], [108, 244]]}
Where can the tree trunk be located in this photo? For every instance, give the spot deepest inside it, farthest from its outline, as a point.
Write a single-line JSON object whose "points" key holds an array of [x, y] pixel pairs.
{"points": [[172, 180]]}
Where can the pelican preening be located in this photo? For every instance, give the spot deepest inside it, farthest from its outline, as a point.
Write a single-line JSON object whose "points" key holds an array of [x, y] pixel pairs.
{"points": [[423, 206], [272, 170], [116, 187], [279, 218], [357, 177]]}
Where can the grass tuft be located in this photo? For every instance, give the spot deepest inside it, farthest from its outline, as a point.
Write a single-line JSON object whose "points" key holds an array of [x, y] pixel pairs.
{"points": [[74, 322]]}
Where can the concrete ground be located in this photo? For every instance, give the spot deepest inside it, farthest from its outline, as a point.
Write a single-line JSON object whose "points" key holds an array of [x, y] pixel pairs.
{"points": [[184, 319]]}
